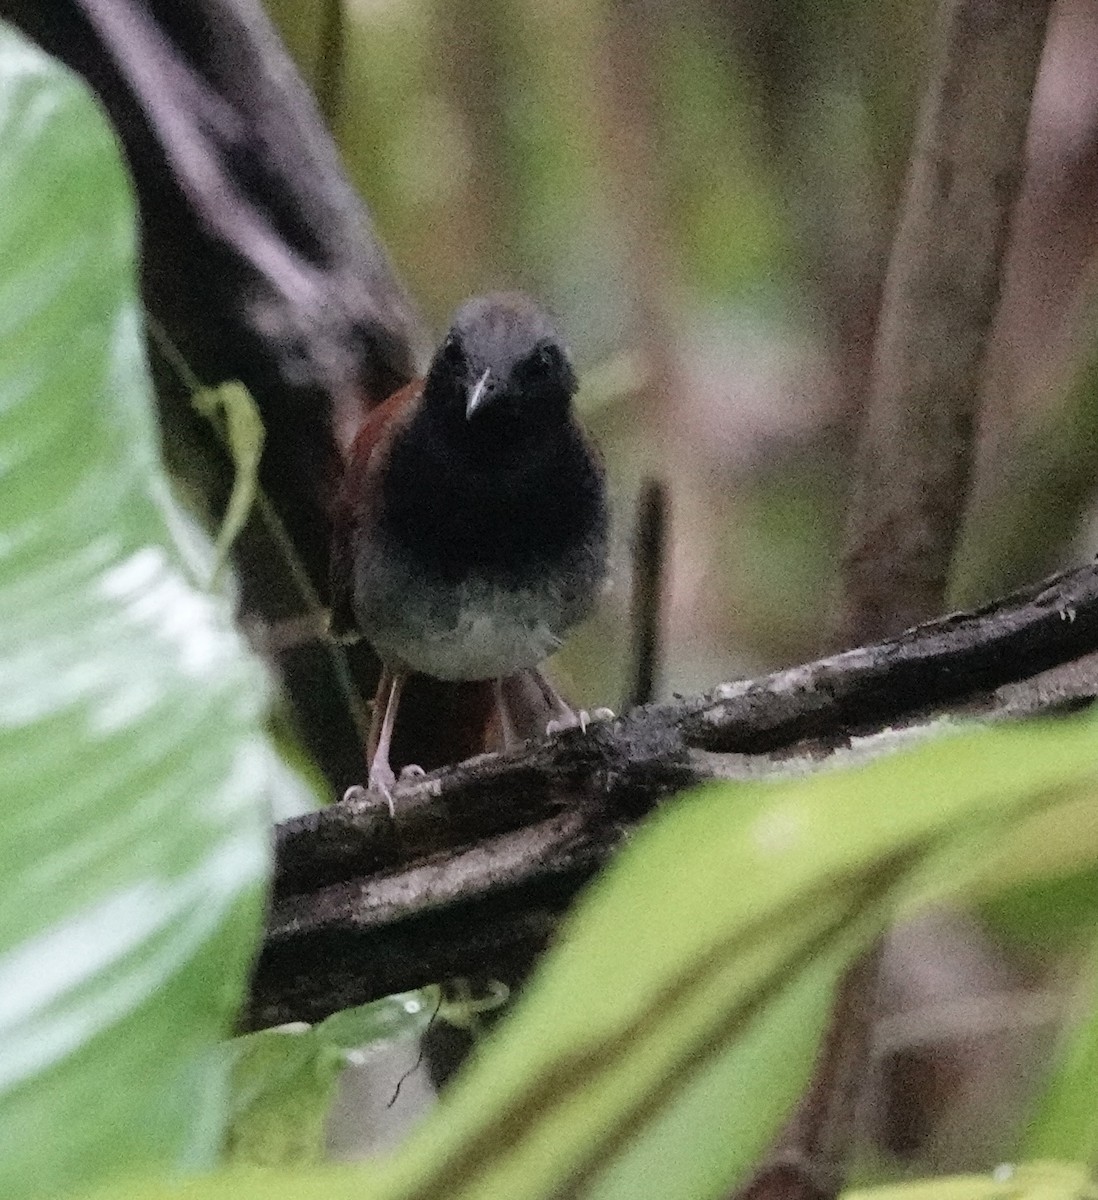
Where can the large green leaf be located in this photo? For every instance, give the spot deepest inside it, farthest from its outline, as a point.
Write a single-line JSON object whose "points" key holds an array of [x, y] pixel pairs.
{"points": [[1030, 1181], [696, 951], [664, 1038], [133, 832]]}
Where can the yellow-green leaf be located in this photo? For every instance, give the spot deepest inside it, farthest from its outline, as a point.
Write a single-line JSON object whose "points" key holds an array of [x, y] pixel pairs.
{"points": [[1033, 1181], [233, 412], [284, 1080]]}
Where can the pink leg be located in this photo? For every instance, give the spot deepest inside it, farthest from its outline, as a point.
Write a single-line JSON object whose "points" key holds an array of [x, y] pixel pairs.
{"points": [[507, 727], [382, 778], [564, 715]]}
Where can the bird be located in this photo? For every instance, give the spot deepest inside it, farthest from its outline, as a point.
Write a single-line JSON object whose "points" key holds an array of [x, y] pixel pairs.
{"points": [[471, 525]]}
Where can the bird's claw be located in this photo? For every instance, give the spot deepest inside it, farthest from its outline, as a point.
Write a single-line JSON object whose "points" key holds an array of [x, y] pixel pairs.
{"points": [[581, 717], [375, 786], [381, 782]]}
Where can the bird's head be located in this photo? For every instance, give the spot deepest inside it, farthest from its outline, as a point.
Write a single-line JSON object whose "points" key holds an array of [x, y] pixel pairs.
{"points": [[501, 381]]}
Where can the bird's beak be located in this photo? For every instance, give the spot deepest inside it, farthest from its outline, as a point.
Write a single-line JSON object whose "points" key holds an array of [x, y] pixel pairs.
{"points": [[479, 395]]}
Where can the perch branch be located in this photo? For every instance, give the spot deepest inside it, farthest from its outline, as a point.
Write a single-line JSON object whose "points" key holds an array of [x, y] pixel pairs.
{"points": [[486, 855]]}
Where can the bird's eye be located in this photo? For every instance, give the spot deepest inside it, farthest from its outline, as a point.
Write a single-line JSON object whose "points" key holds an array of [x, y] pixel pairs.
{"points": [[452, 352], [542, 363]]}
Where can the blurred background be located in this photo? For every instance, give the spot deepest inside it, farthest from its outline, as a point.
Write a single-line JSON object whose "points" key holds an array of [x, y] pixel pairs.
{"points": [[704, 192]]}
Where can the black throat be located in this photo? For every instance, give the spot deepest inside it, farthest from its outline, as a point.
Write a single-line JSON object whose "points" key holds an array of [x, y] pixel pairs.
{"points": [[510, 521]]}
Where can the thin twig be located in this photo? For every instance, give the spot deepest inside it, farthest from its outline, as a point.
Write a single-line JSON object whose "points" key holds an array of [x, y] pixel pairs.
{"points": [[649, 559], [315, 613]]}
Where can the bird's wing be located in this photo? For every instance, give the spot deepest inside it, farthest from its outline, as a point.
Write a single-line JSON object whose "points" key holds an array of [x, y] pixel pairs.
{"points": [[354, 499]]}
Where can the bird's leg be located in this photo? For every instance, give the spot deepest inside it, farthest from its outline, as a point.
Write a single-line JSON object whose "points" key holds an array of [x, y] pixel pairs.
{"points": [[507, 727], [377, 711], [381, 777], [564, 715]]}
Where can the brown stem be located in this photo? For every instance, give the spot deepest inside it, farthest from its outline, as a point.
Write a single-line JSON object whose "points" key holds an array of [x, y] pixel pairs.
{"points": [[649, 564], [940, 299], [809, 1161]]}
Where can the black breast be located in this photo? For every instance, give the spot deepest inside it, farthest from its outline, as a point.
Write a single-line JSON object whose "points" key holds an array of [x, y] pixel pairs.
{"points": [[509, 523]]}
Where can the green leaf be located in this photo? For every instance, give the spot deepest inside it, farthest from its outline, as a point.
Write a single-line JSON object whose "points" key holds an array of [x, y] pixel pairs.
{"points": [[1046, 916], [1030, 1181], [1047, 882], [284, 1080], [661, 1042], [713, 943], [233, 412], [1033, 1181], [133, 839], [1066, 1121]]}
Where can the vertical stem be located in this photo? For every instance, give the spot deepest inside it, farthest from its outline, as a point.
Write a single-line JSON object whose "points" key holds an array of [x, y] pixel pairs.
{"points": [[940, 299], [917, 448], [329, 64], [649, 557], [809, 1161]]}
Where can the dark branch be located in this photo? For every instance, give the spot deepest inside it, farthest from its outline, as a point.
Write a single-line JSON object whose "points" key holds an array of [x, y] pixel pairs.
{"points": [[485, 855], [259, 263]]}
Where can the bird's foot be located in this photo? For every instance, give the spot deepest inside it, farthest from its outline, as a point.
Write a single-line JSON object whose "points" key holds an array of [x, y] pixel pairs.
{"points": [[580, 717], [381, 782]]}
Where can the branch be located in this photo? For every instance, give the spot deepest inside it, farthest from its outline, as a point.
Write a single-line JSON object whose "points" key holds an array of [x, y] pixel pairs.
{"points": [[940, 299], [259, 263], [484, 856]]}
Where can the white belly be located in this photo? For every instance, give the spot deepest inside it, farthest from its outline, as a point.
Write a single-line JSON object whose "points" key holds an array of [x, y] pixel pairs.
{"points": [[489, 632]]}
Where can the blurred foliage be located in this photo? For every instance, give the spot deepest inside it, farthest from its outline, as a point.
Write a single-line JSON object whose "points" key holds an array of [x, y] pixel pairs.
{"points": [[138, 780], [1065, 1120], [1031, 1181], [1030, 509], [709, 187], [283, 1081]]}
